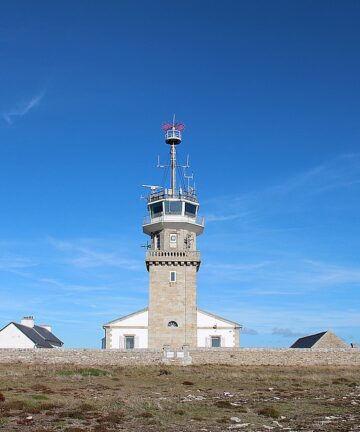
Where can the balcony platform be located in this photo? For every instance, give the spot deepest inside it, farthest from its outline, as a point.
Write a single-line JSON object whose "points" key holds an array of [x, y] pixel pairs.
{"points": [[194, 224], [163, 257]]}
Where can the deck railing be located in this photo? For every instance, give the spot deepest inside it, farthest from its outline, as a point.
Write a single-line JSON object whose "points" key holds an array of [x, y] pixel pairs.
{"points": [[164, 194], [162, 254], [198, 220]]}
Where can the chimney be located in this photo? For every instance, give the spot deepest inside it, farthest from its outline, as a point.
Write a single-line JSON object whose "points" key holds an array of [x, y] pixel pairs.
{"points": [[46, 327], [28, 321]]}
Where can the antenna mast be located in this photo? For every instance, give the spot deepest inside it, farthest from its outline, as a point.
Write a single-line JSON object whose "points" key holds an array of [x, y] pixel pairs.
{"points": [[173, 137]]}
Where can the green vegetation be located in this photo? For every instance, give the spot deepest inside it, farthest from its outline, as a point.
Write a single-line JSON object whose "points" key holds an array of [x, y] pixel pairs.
{"points": [[155, 398]]}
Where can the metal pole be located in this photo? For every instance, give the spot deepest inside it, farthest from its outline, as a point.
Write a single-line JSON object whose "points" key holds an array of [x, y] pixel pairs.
{"points": [[173, 169]]}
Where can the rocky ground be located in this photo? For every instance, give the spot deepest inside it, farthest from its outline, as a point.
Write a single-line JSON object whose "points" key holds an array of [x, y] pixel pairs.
{"points": [[195, 398]]}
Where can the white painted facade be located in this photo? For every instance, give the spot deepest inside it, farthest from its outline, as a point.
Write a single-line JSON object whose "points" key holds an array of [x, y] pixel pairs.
{"points": [[211, 329], [212, 326], [12, 337], [134, 325]]}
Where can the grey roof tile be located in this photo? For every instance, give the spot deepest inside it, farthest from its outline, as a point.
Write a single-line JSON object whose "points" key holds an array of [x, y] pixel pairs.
{"points": [[307, 341]]}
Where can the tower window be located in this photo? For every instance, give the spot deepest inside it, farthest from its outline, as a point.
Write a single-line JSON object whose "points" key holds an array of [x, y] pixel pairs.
{"points": [[172, 324], [173, 276], [173, 207], [173, 239], [190, 209], [156, 209], [215, 341], [157, 241]]}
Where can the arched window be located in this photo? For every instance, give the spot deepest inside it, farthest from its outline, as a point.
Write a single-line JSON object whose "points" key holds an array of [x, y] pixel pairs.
{"points": [[172, 324]]}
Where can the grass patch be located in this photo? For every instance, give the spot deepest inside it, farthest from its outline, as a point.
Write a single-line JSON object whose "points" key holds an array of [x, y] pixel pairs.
{"points": [[3, 421], [85, 372], [39, 397]]}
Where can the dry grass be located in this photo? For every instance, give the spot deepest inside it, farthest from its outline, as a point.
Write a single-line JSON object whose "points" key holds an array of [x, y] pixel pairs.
{"points": [[178, 399]]}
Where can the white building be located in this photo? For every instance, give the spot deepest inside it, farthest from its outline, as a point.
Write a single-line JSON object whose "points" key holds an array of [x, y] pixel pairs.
{"points": [[172, 318], [131, 331], [28, 335]]}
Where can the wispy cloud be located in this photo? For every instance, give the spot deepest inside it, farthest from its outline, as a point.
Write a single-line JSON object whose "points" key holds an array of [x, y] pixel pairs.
{"points": [[82, 255], [224, 218], [286, 332], [13, 263], [249, 331], [22, 108]]}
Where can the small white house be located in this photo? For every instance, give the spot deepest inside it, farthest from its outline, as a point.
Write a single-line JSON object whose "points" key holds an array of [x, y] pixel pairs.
{"points": [[28, 335], [131, 331]]}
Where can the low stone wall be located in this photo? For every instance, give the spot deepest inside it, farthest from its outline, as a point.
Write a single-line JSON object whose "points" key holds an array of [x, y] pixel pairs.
{"points": [[81, 357], [277, 357], [228, 356]]}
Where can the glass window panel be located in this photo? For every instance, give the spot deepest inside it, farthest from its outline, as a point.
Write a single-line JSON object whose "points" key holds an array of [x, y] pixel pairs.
{"points": [[215, 341], [190, 209], [172, 324], [156, 209], [129, 342], [173, 207]]}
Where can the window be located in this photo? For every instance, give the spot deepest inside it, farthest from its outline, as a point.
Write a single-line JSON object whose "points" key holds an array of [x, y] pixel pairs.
{"points": [[173, 207], [173, 239], [172, 324], [156, 210], [190, 209], [157, 241], [215, 341], [129, 342], [173, 276]]}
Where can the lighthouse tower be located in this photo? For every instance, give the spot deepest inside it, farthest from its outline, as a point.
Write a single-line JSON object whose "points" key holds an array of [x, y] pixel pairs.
{"points": [[172, 260], [172, 321]]}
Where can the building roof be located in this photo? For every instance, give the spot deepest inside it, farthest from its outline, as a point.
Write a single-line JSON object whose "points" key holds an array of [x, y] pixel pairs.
{"points": [[219, 317], [307, 341], [48, 336], [126, 316], [41, 337], [199, 310]]}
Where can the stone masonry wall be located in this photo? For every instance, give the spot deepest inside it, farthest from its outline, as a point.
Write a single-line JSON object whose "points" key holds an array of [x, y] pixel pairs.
{"points": [[229, 356]]}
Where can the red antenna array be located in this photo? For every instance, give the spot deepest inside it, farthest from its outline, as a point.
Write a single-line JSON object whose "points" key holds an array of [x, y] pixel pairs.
{"points": [[177, 126]]}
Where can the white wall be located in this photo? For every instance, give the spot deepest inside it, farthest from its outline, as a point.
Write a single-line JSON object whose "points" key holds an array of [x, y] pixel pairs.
{"points": [[205, 322], [130, 327], [12, 337], [204, 335], [139, 319], [118, 337], [209, 325]]}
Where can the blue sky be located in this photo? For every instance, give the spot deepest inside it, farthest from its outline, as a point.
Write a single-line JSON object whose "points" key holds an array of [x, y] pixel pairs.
{"points": [[269, 93]]}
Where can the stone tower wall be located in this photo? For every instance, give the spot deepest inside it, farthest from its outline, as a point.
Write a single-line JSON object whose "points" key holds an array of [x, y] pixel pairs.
{"points": [[172, 301]]}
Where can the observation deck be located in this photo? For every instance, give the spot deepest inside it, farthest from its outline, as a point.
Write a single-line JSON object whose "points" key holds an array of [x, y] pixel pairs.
{"points": [[178, 211], [162, 257]]}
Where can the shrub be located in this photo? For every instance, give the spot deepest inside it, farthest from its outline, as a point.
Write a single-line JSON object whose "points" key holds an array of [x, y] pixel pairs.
{"points": [[164, 372], [269, 412], [223, 404], [146, 414]]}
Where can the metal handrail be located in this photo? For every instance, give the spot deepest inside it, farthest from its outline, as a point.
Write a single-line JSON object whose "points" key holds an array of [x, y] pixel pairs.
{"points": [[178, 195], [198, 220]]}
